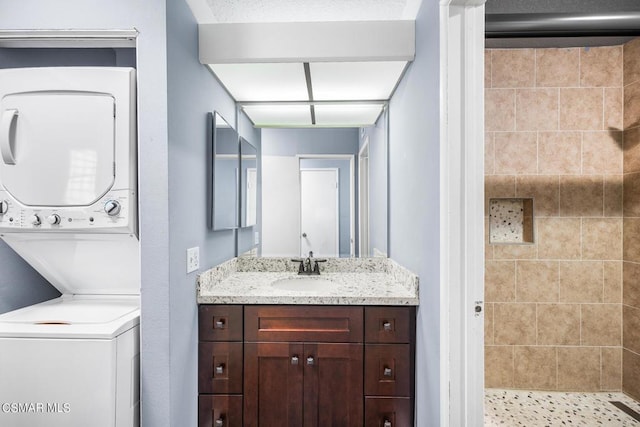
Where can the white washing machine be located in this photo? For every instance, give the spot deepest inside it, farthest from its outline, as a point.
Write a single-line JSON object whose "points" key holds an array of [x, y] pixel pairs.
{"points": [[68, 206]]}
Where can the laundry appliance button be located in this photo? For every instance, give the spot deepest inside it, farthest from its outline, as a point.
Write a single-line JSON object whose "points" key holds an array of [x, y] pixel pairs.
{"points": [[53, 219]]}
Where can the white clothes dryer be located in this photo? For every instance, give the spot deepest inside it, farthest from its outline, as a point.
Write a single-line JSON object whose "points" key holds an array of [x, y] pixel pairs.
{"points": [[68, 206]]}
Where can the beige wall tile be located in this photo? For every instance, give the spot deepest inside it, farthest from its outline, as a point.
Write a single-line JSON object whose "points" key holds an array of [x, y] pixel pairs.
{"points": [[579, 368], [537, 281], [498, 186], [505, 252], [516, 152], [613, 108], [601, 66], [631, 280], [601, 324], [631, 374], [611, 374], [487, 68], [536, 109], [581, 195], [558, 324], [498, 371], [535, 368], [631, 105], [581, 281], [602, 152], [512, 68], [500, 281], [612, 281], [499, 110], [514, 323], [631, 239], [613, 195], [631, 328], [632, 150], [559, 152], [581, 109], [488, 323], [545, 191], [602, 238], [631, 194], [631, 61], [557, 67], [488, 153], [558, 238]]}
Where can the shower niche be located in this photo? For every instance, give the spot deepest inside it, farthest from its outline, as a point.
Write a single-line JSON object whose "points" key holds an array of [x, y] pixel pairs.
{"points": [[510, 221]]}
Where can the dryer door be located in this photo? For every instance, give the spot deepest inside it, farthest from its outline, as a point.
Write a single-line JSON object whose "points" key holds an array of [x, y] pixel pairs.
{"points": [[57, 147]]}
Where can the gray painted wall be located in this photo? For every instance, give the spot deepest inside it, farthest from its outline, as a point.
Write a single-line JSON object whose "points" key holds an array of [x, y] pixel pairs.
{"points": [[290, 142], [414, 180], [246, 237]]}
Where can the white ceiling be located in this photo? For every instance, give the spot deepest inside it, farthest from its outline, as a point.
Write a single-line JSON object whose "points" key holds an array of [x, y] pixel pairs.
{"points": [[350, 81]]}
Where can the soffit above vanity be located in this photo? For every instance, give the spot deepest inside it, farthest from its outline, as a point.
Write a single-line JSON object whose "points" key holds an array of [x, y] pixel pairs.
{"points": [[335, 68]]}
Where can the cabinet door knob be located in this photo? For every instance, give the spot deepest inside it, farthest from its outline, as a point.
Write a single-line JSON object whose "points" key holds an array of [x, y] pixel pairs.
{"points": [[387, 423], [387, 372], [386, 326], [294, 360], [219, 423], [220, 369], [310, 360], [219, 324]]}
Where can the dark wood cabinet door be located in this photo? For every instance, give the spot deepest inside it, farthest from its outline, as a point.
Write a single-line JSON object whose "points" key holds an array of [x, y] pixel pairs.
{"points": [[333, 385], [219, 410], [273, 384], [220, 367]]}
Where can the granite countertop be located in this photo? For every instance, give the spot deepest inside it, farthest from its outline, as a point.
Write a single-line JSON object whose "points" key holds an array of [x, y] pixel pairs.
{"points": [[370, 281]]}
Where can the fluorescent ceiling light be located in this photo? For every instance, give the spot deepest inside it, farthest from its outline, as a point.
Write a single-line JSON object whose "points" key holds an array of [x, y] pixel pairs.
{"points": [[336, 81], [263, 81], [347, 114], [267, 115]]}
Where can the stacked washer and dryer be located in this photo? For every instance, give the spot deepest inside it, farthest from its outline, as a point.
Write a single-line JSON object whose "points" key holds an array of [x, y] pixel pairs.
{"points": [[68, 206]]}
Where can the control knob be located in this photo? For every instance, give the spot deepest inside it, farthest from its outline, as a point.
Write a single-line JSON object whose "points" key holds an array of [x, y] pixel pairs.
{"points": [[35, 220], [4, 207], [112, 207], [53, 219]]}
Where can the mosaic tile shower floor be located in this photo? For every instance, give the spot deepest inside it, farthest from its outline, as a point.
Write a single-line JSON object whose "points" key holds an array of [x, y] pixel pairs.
{"points": [[540, 408]]}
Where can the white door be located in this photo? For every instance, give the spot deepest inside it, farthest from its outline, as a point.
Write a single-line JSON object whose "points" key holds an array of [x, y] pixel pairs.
{"points": [[363, 193], [319, 229], [251, 192]]}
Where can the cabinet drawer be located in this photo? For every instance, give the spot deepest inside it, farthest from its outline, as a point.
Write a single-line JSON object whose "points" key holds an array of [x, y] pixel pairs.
{"points": [[388, 412], [303, 323], [388, 324], [387, 370], [220, 323], [220, 367], [219, 411]]}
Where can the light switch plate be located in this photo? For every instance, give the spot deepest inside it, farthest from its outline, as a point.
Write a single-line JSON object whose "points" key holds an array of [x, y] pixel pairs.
{"points": [[256, 238], [193, 259]]}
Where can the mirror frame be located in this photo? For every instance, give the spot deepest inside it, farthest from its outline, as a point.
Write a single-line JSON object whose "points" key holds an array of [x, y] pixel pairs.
{"points": [[213, 141]]}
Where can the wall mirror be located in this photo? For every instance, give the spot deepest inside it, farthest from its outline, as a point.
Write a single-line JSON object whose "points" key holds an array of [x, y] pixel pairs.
{"points": [[224, 173], [248, 183], [325, 190]]}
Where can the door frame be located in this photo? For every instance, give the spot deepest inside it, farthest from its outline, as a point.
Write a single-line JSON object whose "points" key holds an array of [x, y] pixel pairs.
{"points": [[337, 175], [352, 196], [363, 200], [462, 212]]}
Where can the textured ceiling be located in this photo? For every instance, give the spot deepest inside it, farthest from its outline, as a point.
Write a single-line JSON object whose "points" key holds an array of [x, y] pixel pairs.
{"points": [[237, 11]]}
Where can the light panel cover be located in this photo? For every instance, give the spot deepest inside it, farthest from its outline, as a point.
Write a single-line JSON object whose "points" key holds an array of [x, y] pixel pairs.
{"points": [[347, 114], [266, 115]]}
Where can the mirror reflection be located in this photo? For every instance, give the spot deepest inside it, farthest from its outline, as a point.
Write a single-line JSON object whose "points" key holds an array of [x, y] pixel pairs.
{"points": [[224, 176], [249, 182], [324, 190]]}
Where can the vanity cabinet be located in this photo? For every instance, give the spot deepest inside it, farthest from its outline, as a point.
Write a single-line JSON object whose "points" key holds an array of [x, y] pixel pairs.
{"points": [[306, 366]]}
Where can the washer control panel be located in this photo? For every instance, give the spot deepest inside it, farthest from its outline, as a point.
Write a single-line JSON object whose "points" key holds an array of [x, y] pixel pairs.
{"points": [[112, 213]]}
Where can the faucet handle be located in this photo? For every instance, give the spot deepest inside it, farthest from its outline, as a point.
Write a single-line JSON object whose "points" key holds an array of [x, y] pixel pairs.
{"points": [[301, 264], [316, 267]]}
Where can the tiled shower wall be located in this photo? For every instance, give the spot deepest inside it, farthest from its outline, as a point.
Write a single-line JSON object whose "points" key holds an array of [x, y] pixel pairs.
{"points": [[631, 246], [554, 122]]}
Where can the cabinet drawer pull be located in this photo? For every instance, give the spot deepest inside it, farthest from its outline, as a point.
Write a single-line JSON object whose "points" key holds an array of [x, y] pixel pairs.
{"points": [[219, 422], [294, 360], [387, 372], [387, 423], [219, 325], [387, 327], [220, 369], [310, 361]]}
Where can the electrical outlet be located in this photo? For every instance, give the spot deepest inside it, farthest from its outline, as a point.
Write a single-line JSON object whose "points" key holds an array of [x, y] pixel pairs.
{"points": [[193, 259], [256, 238]]}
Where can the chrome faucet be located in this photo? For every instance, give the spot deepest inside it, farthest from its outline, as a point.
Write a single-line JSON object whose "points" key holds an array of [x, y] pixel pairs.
{"points": [[306, 267]]}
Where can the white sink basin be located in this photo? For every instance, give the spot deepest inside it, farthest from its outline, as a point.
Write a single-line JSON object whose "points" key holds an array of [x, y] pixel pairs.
{"points": [[303, 284]]}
